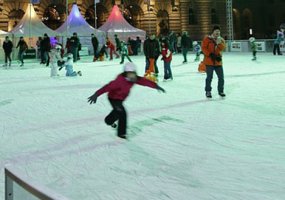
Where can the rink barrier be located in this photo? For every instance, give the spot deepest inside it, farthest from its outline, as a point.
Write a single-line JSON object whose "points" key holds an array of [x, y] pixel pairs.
{"points": [[244, 45], [35, 189]]}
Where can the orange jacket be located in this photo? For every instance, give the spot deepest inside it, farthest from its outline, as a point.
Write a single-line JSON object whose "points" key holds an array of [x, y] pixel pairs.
{"points": [[209, 46]]}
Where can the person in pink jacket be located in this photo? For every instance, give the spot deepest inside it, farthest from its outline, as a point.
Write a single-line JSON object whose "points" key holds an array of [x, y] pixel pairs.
{"points": [[118, 90]]}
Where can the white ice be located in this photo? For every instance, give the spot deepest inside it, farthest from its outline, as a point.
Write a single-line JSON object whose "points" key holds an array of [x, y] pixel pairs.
{"points": [[182, 146]]}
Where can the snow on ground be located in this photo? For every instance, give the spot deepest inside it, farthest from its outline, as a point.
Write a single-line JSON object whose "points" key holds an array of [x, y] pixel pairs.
{"points": [[182, 146]]}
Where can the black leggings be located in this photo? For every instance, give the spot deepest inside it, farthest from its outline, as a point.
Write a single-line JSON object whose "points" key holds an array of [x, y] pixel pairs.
{"points": [[118, 113]]}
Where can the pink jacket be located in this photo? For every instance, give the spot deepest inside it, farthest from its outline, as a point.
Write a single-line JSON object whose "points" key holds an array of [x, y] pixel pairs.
{"points": [[119, 88]]}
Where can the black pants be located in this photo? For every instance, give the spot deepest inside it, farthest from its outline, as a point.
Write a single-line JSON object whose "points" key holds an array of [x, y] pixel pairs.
{"points": [[220, 73], [276, 48], [7, 57], [118, 113]]}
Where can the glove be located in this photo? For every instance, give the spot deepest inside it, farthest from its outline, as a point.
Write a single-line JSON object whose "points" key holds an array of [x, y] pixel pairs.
{"points": [[92, 99], [212, 56], [160, 89]]}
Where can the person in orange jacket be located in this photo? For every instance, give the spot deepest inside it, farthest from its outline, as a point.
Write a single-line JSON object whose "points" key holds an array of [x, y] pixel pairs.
{"points": [[212, 47]]}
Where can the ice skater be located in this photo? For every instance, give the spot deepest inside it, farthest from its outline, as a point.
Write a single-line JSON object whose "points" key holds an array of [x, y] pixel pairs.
{"points": [[112, 48], [279, 40], [22, 45], [166, 57], [212, 47], [118, 90], [55, 58], [197, 50], [8, 47], [124, 52], [69, 66], [253, 47]]}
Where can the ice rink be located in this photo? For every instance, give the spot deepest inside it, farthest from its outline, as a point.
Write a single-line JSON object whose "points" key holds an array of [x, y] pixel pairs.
{"points": [[181, 145]]}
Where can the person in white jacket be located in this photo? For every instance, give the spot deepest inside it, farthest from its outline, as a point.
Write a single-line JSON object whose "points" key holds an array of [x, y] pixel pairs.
{"points": [[69, 66], [54, 55]]}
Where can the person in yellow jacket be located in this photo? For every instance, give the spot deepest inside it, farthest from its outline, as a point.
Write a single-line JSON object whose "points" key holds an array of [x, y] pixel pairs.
{"points": [[212, 47]]}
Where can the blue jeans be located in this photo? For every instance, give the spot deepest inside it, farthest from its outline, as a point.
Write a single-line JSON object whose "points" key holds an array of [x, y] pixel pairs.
{"points": [[21, 56], [220, 73], [167, 70]]}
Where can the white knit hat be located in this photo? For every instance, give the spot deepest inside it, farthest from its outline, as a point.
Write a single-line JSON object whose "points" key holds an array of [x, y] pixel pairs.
{"points": [[251, 39], [130, 67], [57, 46]]}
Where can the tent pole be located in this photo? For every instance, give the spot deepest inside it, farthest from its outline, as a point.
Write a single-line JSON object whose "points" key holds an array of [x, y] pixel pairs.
{"points": [[148, 8], [66, 18], [95, 25], [30, 42]]}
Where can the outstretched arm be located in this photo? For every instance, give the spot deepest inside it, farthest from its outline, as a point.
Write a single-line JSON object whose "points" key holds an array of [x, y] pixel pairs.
{"points": [[145, 82], [104, 89]]}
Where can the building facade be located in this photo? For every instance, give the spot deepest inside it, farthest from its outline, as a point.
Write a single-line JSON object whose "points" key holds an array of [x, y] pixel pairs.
{"points": [[160, 16]]}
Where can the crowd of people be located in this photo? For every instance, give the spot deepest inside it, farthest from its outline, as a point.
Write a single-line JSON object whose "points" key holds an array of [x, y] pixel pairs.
{"points": [[52, 53], [212, 47]]}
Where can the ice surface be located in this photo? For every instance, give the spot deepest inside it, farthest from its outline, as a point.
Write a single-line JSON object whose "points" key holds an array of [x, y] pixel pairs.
{"points": [[182, 146]]}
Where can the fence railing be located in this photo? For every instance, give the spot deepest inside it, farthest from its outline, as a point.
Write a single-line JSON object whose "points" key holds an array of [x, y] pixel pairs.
{"points": [[20, 187]]}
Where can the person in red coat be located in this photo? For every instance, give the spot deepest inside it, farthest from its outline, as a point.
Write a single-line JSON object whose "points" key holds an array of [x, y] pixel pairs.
{"points": [[166, 57], [118, 90], [112, 48], [212, 47]]}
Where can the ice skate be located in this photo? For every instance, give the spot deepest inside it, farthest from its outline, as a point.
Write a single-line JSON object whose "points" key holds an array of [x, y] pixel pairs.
{"points": [[208, 94], [122, 136], [114, 125], [79, 73], [222, 94]]}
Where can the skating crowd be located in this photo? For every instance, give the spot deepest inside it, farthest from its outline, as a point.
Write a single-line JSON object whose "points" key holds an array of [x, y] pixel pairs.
{"points": [[56, 56]]}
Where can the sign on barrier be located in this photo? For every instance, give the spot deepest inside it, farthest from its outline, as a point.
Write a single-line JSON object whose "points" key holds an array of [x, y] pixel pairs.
{"points": [[260, 46], [236, 46]]}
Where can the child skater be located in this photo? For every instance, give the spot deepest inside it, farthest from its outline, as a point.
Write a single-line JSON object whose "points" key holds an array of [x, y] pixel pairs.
{"points": [[197, 50], [253, 47], [124, 52], [55, 57], [69, 66], [118, 90], [166, 57]]}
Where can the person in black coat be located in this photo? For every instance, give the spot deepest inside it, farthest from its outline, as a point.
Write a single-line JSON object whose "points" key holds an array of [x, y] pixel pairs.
{"points": [[74, 46], [45, 47], [186, 44], [22, 45], [8, 47], [151, 52], [118, 43], [95, 44]]}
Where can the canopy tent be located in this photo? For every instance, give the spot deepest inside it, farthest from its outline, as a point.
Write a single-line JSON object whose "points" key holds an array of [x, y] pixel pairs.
{"points": [[31, 26], [116, 24], [3, 32], [76, 23]]}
